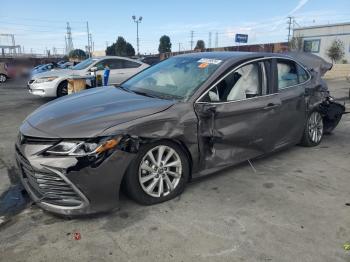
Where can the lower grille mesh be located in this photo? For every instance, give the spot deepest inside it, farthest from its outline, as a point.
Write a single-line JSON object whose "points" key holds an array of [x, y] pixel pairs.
{"points": [[48, 186]]}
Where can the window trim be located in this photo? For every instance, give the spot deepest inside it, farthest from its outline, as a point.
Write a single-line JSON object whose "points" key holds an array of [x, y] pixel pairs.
{"points": [[243, 64], [312, 40]]}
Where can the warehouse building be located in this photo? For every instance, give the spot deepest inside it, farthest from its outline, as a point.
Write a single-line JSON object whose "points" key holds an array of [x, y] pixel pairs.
{"points": [[317, 39]]}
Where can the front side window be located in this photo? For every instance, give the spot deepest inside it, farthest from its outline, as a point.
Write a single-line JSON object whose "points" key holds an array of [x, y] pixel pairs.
{"points": [[175, 78], [246, 82], [287, 73], [131, 64]]}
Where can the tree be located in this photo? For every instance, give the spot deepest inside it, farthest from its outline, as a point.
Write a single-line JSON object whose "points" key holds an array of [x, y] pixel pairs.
{"points": [[77, 54], [110, 50], [120, 48], [296, 43], [129, 49], [200, 45], [336, 51], [164, 44]]}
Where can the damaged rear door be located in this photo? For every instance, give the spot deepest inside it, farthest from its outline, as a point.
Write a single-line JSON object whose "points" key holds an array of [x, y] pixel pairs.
{"points": [[237, 116]]}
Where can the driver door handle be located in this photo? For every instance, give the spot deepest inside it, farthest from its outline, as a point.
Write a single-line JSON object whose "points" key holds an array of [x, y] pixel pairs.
{"points": [[271, 106]]}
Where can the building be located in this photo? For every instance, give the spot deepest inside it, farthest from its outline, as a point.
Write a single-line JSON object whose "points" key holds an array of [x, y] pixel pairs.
{"points": [[317, 39]]}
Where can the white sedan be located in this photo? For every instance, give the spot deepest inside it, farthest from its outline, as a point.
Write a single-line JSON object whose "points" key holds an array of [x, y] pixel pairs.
{"points": [[55, 84]]}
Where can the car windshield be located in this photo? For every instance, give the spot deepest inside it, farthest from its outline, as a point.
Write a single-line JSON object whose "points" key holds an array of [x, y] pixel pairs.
{"points": [[84, 64], [176, 78]]}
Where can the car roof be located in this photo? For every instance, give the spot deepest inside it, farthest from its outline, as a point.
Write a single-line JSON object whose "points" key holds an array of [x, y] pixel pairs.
{"points": [[117, 57], [232, 55]]}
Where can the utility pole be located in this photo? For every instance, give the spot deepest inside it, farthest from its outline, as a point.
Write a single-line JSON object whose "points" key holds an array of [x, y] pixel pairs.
{"points": [[69, 39], [209, 40], [216, 40], [290, 19], [137, 21], [179, 47], [88, 35], [191, 42]]}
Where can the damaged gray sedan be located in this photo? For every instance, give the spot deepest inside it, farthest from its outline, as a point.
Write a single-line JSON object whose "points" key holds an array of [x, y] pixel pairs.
{"points": [[185, 117]]}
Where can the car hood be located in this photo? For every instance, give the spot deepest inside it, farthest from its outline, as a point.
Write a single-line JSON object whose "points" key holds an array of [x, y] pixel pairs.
{"points": [[90, 112], [59, 73]]}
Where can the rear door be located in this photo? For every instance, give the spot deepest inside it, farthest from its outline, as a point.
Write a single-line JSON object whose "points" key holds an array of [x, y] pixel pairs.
{"points": [[238, 115], [290, 86], [130, 68]]}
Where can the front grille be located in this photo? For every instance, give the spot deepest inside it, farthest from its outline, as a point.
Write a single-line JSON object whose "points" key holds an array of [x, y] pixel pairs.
{"points": [[49, 187]]}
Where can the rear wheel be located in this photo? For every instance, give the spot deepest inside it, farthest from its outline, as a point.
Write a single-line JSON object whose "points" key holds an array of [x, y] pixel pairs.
{"points": [[62, 89], [159, 173], [3, 78], [313, 132]]}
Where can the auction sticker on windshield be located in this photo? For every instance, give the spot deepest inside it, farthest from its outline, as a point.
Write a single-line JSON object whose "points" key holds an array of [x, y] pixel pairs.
{"points": [[209, 61]]}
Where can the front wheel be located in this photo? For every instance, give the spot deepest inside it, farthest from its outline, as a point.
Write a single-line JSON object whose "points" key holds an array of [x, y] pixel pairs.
{"points": [[3, 78], [159, 173], [62, 89], [313, 132]]}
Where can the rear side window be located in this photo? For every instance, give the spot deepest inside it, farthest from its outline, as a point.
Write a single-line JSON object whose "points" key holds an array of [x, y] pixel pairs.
{"points": [[114, 63], [131, 64], [302, 74], [287, 73]]}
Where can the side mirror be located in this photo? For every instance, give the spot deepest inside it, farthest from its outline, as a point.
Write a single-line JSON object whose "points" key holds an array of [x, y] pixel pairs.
{"points": [[93, 69]]}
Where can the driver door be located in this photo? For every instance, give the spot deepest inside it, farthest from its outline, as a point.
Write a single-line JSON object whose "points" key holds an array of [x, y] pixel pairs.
{"points": [[237, 116]]}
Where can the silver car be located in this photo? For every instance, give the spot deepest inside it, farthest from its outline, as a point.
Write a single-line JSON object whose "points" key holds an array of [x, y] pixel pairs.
{"points": [[54, 83]]}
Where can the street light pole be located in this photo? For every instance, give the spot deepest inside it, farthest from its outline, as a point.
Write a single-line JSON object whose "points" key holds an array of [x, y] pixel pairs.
{"points": [[137, 21]]}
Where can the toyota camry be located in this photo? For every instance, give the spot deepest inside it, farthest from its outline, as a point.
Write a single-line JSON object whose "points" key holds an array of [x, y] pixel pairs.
{"points": [[185, 117]]}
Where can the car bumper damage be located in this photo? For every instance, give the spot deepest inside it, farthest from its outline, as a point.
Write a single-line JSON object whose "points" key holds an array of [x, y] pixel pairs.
{"points": [[71, 185]]}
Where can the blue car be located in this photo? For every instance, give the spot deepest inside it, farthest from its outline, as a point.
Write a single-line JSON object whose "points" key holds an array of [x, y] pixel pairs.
{"points": [[41, 69]]}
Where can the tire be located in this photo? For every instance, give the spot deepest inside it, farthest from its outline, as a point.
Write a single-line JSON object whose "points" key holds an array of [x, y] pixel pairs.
{"points": [[3, 78], [314, 130], [142, 173], [62, 89]]}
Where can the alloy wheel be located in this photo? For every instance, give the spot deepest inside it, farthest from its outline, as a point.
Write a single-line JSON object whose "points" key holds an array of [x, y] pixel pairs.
{"points": [[160, 171], [315, 127], [2, 78]]}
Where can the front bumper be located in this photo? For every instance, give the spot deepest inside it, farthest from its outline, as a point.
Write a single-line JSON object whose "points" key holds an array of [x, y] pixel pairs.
{"points": [[61, 186], [46, 89]]}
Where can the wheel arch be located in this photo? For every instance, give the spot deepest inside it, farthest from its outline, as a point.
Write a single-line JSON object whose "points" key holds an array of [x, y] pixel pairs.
{"points": [[178, 142]]}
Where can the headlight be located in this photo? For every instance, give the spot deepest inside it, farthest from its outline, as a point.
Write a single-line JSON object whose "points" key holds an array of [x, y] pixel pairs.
{"points": [[45, 79], [82, 148]]}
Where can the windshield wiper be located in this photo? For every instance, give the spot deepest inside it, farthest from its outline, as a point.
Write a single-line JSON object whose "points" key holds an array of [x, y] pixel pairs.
{"points": [[124, 88], [144, 94]]}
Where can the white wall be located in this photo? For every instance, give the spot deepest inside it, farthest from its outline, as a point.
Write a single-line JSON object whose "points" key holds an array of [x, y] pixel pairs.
{"points": [[327, 34]]}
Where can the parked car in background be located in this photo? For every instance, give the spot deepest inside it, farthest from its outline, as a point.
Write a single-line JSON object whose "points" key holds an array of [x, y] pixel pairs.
{"points": [[6, 72], [55, 84], [185, 117], [65, 65], [42, 68], [151, 60]]}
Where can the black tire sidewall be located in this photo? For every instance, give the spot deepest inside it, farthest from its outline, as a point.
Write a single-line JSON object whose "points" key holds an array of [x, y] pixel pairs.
{"points": [[60, 87], [5, 78], [306, 140], [133, 187]]}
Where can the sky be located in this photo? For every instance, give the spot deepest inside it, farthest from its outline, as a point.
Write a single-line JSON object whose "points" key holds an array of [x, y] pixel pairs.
{"points": [[39, 25]]}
